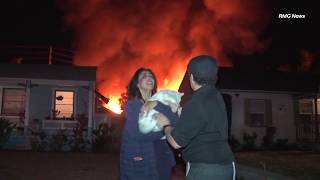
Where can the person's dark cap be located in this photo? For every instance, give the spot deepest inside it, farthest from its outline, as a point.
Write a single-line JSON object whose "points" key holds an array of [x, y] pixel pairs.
{"points": [[203, 66]]}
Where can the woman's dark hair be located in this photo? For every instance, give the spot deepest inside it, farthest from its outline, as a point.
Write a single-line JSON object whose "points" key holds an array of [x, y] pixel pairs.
{"points": [[133, 91]]}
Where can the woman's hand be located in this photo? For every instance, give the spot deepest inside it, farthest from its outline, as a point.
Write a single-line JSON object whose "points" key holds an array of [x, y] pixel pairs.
{"points": [[161, 119], [174, 107], [179, 111], [148, 106]]}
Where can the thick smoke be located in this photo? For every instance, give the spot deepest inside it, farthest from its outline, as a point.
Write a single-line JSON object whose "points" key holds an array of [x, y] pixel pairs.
{"points": [[120, 36]]}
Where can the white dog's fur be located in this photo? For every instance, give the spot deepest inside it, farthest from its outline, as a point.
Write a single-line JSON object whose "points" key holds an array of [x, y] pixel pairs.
{"points": [[166, 96]]}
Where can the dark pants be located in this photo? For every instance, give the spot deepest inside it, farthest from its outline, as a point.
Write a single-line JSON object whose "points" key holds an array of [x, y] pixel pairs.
{"points": [[203, 171], [164, 158]]}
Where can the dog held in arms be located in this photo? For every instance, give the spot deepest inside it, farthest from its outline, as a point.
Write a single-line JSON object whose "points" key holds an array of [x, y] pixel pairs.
{"points": [[168, 97]]}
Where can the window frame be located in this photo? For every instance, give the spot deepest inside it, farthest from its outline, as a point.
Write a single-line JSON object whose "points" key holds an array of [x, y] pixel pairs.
{"points": [[312, 103], [267, 109], [53, 117], [20, 114]]}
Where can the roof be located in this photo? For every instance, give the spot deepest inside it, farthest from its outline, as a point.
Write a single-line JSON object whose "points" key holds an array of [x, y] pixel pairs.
{"points": [[46, 71], [301, 82], [258, 80]]}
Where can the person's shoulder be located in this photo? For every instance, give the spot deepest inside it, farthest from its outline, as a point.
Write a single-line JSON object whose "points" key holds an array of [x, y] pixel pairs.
{"points": [[133, 103], [192, 100], [192, 103]]}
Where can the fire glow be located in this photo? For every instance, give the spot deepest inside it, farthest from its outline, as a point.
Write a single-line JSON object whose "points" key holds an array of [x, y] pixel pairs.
{"points": [[174, 83], [121, 36], [114, 104]]}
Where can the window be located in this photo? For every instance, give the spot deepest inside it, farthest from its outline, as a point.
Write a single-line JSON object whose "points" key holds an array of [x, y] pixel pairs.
{"points": [[258, 112], [64, 105], [307, 106], [13, 102], [307, 114]]}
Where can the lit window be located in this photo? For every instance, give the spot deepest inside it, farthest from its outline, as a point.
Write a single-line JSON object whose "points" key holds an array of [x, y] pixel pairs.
{"points": [[13, 102], [307, 106], [64, 105]]}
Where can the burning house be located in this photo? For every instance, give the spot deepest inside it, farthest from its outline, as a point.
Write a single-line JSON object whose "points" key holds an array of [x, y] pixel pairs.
{"points": [[118, 37], [121, 36]]}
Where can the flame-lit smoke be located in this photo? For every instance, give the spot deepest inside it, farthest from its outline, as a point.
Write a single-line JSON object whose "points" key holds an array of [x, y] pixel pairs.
{"points": [[120, 36], [307, 59]]}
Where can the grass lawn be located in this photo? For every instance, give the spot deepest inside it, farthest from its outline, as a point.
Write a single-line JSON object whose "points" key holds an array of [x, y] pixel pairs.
{"points": [[54, 166], [24, 165], [298, 164]]}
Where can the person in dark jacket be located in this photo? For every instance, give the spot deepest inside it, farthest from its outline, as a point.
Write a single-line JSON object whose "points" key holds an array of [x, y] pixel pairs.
{"points": [[202, 129], [144, 156]]}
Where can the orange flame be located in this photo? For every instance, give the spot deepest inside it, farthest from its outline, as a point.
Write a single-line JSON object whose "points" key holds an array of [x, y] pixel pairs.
{"points": [[174, 81], [119, 37], [168, 83], [114, 104]]}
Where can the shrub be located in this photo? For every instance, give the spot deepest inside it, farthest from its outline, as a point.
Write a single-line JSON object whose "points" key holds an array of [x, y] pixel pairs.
{"points": [[268, 139], [235, 144], [101, 138], [78, 141], [39, 141], [6, 128], [249, 141], [282, 144], [58, 141]]}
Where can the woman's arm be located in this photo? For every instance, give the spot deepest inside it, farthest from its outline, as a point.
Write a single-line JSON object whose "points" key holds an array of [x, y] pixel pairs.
{"points": [[132, 110], [163, 122], [166, 110]]}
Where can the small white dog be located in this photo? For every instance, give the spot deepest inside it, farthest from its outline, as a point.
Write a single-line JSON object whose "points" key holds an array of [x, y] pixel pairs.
{"points": [[166, 96]]}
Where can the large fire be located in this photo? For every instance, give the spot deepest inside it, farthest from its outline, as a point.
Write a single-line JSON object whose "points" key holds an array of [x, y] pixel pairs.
{"points": [[172, 83], [120, 36]]}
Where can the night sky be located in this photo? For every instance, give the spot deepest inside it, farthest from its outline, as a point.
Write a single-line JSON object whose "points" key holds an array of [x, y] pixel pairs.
{"points": [[42, 22], [33, 22], [289, 36]]}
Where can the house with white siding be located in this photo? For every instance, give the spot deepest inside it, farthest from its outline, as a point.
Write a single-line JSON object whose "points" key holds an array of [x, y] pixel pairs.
{"points": [[47, 97], [256, 100]]}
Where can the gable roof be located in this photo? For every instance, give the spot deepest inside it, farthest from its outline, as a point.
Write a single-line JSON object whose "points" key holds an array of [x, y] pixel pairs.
{"points": [[46, 71]]}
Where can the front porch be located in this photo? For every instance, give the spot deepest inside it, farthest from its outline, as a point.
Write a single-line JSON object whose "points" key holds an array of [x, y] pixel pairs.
{"points": [[307, 129], [307, 120]]}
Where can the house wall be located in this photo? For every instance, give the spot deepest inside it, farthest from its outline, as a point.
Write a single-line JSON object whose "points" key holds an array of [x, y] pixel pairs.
{"points": [[41, 100], [40, 97], [282, 115]]}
